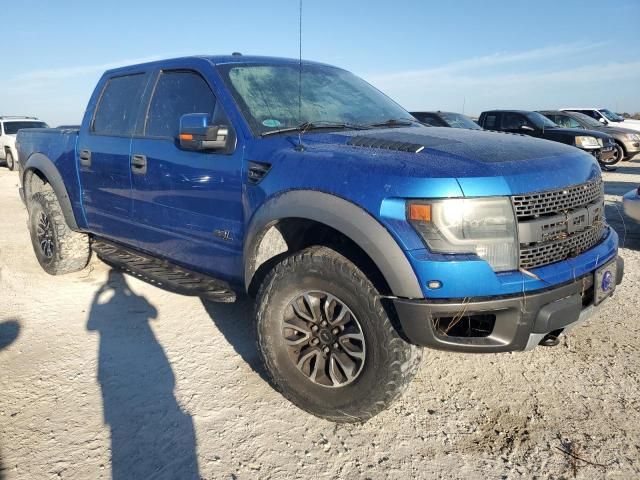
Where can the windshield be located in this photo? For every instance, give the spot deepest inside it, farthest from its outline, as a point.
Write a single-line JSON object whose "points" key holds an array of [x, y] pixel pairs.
{"points": [[268, 96], [586, 119], [457, 120], [11, 128], [540, 121], [612, 117]]}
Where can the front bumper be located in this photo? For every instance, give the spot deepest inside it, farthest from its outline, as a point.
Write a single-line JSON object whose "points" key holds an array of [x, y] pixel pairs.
{"points": [[520, 321], [632, 147]]}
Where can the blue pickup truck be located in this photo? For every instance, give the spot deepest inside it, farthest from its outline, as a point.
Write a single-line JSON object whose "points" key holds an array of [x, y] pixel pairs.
{"points": [[362, 234]]}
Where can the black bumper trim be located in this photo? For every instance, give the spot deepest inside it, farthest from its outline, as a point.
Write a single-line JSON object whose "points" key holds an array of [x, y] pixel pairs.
{"points": [[517, 318]]}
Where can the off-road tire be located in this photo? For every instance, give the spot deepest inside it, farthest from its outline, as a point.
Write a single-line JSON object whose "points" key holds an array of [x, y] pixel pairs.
{"points": [[70, 250], [11, 163], [390, 362]]}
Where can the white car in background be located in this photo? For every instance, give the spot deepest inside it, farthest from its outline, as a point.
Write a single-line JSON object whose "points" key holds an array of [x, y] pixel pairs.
{"points": [[607, 117], [9, 127]]}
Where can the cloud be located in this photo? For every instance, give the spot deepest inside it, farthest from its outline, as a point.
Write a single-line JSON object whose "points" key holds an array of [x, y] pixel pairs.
{"points": [[527, 79], [78, 71]]}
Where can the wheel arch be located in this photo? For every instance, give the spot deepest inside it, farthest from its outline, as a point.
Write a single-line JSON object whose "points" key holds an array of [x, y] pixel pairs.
{"points": [[39, 170], [294, 217]]}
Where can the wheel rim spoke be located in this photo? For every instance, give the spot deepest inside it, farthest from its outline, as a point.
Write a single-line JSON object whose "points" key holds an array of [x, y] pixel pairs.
{"points": [[44, 233], [324, 339]]}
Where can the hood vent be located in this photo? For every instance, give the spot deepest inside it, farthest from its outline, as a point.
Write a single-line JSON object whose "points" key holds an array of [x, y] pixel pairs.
{"points": [[383, 144]]}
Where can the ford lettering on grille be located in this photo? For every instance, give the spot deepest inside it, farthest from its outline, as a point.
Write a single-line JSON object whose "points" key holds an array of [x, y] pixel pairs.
{"points": [[559, 224]]}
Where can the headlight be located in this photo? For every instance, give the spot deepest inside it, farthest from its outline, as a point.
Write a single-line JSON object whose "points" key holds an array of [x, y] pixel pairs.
{"points": [[633, 136], [482, 226], [587, 142]]}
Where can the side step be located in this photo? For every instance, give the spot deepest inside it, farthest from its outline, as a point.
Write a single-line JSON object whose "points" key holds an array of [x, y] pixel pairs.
{"points": [[162, 273]]}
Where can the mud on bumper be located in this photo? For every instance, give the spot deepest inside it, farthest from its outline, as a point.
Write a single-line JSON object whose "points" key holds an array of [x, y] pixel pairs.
{"points": [[499, 324]]}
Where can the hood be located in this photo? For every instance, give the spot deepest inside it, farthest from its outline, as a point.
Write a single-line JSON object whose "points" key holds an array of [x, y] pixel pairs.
{"points": [[418, 162]]}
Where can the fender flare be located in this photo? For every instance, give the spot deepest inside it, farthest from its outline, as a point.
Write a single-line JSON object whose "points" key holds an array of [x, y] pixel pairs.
{"points": [[41, 163], [344, 216]]}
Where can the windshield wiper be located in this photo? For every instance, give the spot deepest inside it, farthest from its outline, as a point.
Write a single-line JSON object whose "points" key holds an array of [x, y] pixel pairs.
{"points": [[306, 126], [392, 122]]}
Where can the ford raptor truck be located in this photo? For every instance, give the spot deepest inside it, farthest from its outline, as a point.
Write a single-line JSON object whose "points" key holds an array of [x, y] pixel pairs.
{"points": [[361, 234]]}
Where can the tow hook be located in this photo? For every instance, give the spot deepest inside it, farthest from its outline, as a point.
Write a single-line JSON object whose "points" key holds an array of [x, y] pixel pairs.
{"points": [[550, 340]]}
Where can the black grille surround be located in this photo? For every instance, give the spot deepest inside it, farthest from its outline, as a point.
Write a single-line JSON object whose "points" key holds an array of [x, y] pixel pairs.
{"points": [[565, 223]]}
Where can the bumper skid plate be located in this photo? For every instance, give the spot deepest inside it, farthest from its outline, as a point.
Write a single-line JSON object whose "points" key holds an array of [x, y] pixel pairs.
{"points": [[517, 322]]}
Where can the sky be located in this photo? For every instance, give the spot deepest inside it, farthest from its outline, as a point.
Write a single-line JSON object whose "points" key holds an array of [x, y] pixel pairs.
{"points": [[427, 55]]}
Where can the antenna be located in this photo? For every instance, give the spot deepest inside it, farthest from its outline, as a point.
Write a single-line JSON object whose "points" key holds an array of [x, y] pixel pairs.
{"points": [[300, 146], [464, 101]]}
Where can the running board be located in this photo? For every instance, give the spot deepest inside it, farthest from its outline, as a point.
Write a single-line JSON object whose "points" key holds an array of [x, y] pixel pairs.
{"points": [[162, 273]]}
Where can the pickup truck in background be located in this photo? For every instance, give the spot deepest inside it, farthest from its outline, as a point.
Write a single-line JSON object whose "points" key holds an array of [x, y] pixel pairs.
{"points": [[362, 234], [9, 126], [598, 144]]}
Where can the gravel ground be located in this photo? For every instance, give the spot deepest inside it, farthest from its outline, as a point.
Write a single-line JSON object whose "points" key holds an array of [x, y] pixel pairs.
{"points": [[102, 375]]}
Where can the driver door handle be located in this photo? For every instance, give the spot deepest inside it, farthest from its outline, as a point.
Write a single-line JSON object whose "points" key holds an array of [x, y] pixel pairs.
{"points": [[85, 158], [139, 164]]}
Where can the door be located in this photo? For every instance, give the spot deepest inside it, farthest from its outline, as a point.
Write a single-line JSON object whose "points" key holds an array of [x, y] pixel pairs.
{"points": [[103, 151], [186, 204]]}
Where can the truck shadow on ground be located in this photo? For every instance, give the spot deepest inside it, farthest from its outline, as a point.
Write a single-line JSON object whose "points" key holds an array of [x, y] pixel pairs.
{"points": [[151, 437], [235, 322], [9, 332]]}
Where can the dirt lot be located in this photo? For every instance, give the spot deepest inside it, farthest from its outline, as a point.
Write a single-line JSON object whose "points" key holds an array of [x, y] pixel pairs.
{"points": [[103, 375]]}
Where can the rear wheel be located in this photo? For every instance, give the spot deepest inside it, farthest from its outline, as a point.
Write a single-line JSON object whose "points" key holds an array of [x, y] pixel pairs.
{"points": [[328, 344], [11, 164], [59, 249]]}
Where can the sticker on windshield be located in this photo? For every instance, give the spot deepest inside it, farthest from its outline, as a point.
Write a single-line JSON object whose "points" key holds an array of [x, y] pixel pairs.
{"points": [[271, 122]]}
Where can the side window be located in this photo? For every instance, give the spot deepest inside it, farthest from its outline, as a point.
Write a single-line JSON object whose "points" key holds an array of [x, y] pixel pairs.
{"points": [[567, 122], [490, 122], [514, 121], [177, 93], [118, 106]]}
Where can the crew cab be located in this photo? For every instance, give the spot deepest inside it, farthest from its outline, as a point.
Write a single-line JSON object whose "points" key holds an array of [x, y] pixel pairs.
{"points": [[362, 234], [607, 117], [600, 145], [9, 126], [627, 141]]}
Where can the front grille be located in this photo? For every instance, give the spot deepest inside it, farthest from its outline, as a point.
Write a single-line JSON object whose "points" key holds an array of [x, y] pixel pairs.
{"points": [[556, 251], [559, 224], [555, 201]]}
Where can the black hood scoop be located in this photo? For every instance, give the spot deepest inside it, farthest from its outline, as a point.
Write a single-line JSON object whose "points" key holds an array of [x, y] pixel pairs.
{"points": [[384, 144]]}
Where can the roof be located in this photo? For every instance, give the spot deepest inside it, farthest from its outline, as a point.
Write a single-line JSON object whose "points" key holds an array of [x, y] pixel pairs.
{"points": [[508, 110], [224, 60]]}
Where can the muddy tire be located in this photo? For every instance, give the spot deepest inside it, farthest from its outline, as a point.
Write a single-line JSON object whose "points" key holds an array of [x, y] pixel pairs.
{"points": [[59, 249], [327, 342], [11, 163]]}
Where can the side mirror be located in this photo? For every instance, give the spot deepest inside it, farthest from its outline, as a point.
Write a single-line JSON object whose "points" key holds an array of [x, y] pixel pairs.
{"points": [[603, 121], [196, 133], [527, 128]]}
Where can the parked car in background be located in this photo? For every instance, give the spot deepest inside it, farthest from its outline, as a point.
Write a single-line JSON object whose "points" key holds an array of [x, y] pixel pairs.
{"points": [[627, 141], [446, 119], [600, 145], [9, 126], [607, 117], [631, 204], [362, 234]]}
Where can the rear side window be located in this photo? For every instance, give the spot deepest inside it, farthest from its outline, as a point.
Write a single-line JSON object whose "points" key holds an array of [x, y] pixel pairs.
{"points": [[177, 93], [118, 107], [489, 122]]}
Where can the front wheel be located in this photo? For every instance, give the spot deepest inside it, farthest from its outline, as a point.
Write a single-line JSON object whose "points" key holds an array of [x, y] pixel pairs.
{"points": [[11, 164], [327, 342], [618, 155]]}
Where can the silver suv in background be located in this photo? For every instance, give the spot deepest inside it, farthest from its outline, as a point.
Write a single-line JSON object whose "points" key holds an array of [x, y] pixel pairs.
{"points": [[627, 140], [9, 126]]}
